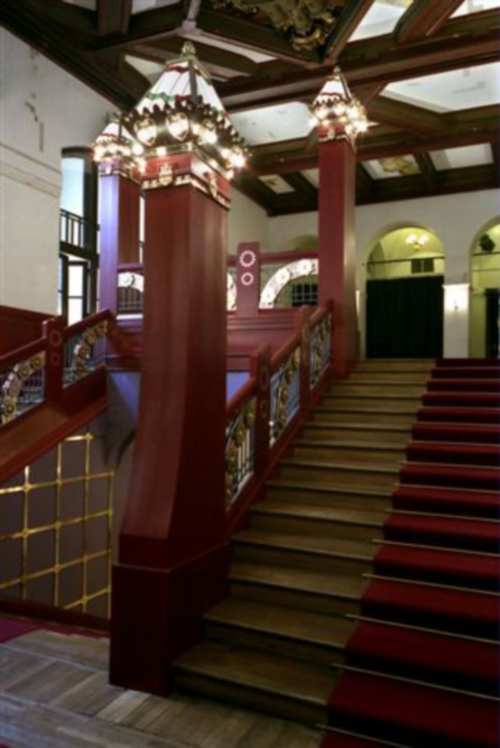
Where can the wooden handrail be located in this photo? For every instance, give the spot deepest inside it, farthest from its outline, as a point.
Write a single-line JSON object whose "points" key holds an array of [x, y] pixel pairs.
{"points": [[285, 350], [79, 327], [131, 267], [245, 392], [21, 354]]}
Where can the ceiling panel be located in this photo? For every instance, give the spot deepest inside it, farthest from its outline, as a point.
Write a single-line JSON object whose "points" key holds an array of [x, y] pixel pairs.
{"points": [[457, 158], [89, 4], [388, 168], [312, 175], [277, 184], [476, 6], [451, 91], [252, 54], [269, 124], [150, 70], [381, 18], [139, 6]]}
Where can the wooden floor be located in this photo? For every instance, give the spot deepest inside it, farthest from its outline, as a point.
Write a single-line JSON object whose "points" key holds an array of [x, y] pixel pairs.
{"points": [[54, 694]]}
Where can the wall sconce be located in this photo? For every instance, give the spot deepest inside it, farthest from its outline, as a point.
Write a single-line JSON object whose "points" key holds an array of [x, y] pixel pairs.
{"points": [[456, 297], [416, 241]]}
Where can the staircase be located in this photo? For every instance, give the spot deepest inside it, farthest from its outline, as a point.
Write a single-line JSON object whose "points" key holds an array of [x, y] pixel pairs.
{"points": [[363, 591]]}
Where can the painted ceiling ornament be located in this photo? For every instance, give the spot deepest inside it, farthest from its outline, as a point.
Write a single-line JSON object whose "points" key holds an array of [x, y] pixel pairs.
{"points": [[305, 23], [404, 165], [337, 112], [180, 113]]}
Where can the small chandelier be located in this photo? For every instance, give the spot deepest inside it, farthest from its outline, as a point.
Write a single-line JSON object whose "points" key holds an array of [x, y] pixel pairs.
{"points": [[181, 112], [336, 111]]}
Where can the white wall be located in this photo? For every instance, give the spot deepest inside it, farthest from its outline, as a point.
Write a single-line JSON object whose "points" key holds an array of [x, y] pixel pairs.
{"points": [[454, 218], [247, 222], [42, 110]]}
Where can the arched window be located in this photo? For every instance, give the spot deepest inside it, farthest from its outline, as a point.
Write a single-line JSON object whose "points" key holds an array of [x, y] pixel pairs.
{"points": [[299, 269]]}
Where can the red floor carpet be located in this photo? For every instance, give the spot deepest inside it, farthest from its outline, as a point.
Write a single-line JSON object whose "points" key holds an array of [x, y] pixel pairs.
{"points": [[423, 663]]}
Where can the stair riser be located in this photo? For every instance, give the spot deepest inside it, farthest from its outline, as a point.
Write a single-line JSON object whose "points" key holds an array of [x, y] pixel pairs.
{"points": [[466, 509], [454, 458], [450, 481], [435, 435], [376, 403], [351, 389], [319, 451], [393, 366], [340, 414], [461, 542], [262, 641], [433, 620], [314, 528], [467, 373], [368, 375], [351, 478], [465, 400], [436, 414], [289, 598], [331, 499], [449, 577], [455, 680], [230, 693], [302, 560], [437, 385], [357, 435]]}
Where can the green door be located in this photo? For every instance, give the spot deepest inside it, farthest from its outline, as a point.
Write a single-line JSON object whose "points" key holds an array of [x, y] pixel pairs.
{"points": [[404, 318]]}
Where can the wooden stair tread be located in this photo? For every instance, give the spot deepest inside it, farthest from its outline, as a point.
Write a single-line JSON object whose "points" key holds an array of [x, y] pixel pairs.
{"points": [[345, 444], [292, 679], [330, 546], [304, 580], [378, 396], [331, 514], [338, 407], [357, 466], [333, 631], [292, 483], [356, 426]]}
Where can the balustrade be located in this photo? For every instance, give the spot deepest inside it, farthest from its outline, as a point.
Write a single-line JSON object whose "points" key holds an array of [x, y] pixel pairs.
{"points": [[130, 299], [263, 414]]}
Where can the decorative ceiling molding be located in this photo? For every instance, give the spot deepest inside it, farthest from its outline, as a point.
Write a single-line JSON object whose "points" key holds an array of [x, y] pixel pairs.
{"points": [[306, 24]]}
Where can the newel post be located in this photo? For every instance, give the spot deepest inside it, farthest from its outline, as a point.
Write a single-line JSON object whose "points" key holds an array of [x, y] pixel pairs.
{"points": [[340, 118], [248, 279], [260, 368], [173, 554], [54, 363], [119, 198]]}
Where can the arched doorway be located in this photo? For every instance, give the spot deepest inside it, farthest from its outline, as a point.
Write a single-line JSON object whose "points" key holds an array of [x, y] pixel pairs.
{"points": [[404, 294], [485, 292], [278, 291]]}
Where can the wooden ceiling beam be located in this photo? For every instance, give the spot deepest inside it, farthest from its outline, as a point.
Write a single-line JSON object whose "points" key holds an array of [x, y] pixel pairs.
{"points": [[462, 42], [427, 170], [231, 28], [304, 189], [220, 58], [404, 116], [424, 18], [364, 183], [145, 27], [469, 127], [350, 18], [113, 16]]}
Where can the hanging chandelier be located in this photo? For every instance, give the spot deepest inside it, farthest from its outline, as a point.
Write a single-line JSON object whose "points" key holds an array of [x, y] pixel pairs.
{"points": [[336, 111], [181, 112]]}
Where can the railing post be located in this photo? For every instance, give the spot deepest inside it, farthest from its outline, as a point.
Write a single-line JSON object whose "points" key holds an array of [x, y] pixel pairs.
{"points": [[260, 365], [302, 325], [54, 362]]}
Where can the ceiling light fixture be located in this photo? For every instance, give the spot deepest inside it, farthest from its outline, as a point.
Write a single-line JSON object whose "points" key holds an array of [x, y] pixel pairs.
{"points": [[337, 112]]}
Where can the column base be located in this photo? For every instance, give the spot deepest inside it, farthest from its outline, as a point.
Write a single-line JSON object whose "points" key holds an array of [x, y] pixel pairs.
{"points": [[157, 614]]}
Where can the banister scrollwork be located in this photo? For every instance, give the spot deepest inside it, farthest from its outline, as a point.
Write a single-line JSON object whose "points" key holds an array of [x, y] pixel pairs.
{"points": [[284, 393], [320, 349], [82, 351], [239, 454], [16, 381]]}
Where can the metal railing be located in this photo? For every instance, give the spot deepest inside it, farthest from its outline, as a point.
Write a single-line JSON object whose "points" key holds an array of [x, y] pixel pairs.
{"points": [[130, 290], [263, 413], [77, 231]]}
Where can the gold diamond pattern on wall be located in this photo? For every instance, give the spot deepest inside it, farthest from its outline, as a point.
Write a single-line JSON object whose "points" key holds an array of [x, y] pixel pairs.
{"points": [[55, 529]]}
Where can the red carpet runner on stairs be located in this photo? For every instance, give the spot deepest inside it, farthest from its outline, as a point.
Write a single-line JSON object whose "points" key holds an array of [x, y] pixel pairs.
{"points": [[423, 663]]}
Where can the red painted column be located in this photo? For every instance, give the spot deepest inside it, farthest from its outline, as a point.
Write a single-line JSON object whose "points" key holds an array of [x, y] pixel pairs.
{"points": [[248, 279], [337, 252], [173, 555], [119, 228]]}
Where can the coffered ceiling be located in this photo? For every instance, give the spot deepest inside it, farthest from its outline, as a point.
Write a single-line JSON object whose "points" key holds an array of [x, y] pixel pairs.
{"points": [[428, 72]]}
